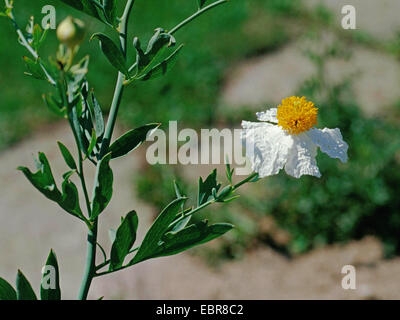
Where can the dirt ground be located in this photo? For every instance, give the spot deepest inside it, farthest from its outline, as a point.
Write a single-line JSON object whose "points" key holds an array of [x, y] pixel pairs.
{"points": [[31, 225]]}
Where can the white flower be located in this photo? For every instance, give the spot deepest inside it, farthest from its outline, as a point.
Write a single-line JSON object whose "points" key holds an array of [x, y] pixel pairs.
{"points": [[286, 138]]}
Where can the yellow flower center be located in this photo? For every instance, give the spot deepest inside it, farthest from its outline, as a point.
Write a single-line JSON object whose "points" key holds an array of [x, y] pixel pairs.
{"points": [[296, 115]]}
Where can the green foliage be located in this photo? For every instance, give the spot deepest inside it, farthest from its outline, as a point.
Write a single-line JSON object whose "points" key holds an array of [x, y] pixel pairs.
{"points": [[43, 181], [150, 245], [112, 52], [131, 140], [7, 292], [124, 239], [103, 187], [194, 235], [24, 288], [34, 69], [69, 160], [50, 293], [207, 188]]}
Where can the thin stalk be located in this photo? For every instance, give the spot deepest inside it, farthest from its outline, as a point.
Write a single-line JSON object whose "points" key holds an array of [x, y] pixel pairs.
{"points": [[119, 88], [90, 267], [195, 15]]}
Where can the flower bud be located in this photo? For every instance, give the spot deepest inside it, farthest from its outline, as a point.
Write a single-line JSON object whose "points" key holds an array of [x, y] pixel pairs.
{"points": [[71, 32]]}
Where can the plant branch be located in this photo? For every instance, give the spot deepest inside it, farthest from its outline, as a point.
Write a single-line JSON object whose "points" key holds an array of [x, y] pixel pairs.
{"points": [[90, 268], [191, 212]]}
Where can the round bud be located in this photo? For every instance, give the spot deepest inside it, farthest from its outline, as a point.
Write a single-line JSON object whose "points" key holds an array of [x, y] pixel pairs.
{"points": [[71, 32]]}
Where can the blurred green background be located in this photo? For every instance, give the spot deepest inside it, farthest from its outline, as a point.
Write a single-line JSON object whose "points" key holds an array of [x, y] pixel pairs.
{"points": [[348, 202]]}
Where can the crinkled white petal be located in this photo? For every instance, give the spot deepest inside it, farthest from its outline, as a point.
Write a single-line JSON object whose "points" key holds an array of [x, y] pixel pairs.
{"points": [[301, 159], [330, 142], [269, 115], [267, 147]]}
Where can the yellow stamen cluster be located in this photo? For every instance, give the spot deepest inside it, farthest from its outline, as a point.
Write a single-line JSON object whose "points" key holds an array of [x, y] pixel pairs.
{"points": [[296, 115]]}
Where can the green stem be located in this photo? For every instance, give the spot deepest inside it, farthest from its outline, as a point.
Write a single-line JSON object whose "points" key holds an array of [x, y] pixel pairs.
{"points": [[90, 267]]}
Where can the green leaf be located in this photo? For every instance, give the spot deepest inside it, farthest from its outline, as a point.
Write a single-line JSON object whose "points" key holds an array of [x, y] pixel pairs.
{"points": [[228, 171], [178, 190], [92, 144], [98, 116], [149, 246], [7, 292], [24, 288], [43, 179], [54, 105], [70, 198], [161, 68], [182, 223], [69, 160], [131, 140], [194, 235], [81, 124], [159, 40], [112, 52], [110, 9], [35, 69], [156, 46], [53, 292], [37, 35], [206, 188], [103, 187], [90, 7], [124, 239]]}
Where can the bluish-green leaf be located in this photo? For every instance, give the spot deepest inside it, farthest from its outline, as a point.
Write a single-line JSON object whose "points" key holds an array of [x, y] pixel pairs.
{"points": [[24, 288], [161, 68], [69, 159], [92, 143], [131, 140], [194, 235], [50, 290], [124, 239], [103, 187], [149, 246], [155, 48], [112, 52], [70, 198], [7, 292], [43, 179], [98, 116], [206, 188]]}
